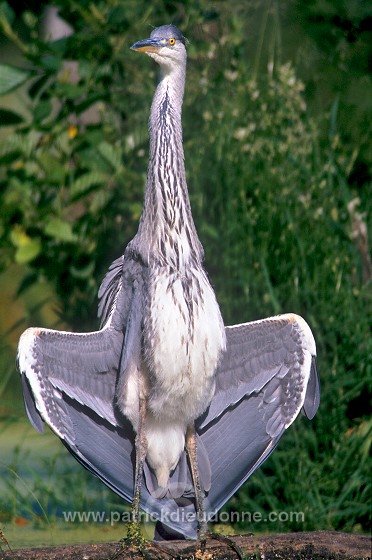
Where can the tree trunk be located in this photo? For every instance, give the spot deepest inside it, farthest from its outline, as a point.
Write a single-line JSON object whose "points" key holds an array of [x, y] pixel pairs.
{"points": [[320, 545]]}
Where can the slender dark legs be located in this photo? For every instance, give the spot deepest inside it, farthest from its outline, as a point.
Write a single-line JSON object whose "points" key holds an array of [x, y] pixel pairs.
{"points": [[141, 450], [191, 448]]}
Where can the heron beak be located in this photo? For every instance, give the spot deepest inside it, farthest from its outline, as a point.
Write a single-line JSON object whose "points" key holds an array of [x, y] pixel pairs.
{"points": [[148, 45]]}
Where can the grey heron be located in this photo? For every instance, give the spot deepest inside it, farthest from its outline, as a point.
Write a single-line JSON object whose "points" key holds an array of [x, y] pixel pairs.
{"points": [[168, 407]]}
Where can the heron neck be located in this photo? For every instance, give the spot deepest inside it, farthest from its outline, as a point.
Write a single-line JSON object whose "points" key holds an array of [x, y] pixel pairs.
{"points": [[167, 227]]}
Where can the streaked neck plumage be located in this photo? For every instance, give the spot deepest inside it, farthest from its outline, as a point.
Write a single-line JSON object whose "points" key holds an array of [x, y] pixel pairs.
{"points": [[167, 232]]}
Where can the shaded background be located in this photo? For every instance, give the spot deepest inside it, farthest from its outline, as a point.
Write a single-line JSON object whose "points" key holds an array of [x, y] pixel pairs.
{"points": [[278, 159]]}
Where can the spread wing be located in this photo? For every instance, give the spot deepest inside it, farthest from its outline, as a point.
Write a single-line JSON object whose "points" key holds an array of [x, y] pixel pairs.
{"points": [[81, 365], [277, 351], [265, 377], [69, 382]]}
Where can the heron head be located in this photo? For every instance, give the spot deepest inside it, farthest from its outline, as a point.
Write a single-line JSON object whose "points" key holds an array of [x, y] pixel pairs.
{"points": [[166, 45]]}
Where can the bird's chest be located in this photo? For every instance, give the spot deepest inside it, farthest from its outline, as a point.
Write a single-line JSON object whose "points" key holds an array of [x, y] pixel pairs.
{"points": [[183, 336]]}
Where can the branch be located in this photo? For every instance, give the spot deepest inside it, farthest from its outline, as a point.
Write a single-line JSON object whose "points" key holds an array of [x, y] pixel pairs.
{"points": [[287, 546]]}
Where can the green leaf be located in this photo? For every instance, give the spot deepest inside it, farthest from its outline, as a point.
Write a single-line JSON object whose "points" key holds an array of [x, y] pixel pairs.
{"points": [[42, 110], [59, 46], [19, 237], [52, 167], [100, 200], [89, 101], [51, 63], [59, 229], [30, 19], [85, 183], [7, 12], [86, 69], [11, 77], [28, 252], [118, 15], [28, 248], [38, 85], [85, 272], [69, 90], [8, 118], [17, 144], [111, 154]]}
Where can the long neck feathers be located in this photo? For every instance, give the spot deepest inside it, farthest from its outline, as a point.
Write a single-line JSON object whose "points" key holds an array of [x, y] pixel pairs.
{"points": [[167, 231]]}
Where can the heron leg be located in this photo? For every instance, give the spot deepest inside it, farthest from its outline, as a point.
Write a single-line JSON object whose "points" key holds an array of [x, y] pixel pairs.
{"points": [[203, 532], [134, 532], [192, 451]]}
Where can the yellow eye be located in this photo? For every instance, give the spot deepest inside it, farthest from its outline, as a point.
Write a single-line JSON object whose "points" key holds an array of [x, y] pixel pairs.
{"points": [[172, 41]]}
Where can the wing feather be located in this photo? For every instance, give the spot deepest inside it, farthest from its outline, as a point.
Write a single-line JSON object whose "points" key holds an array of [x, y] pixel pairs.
{"points": [[312, 397], [265, 377], [83, 366], [275, 348], [109, 289], [116, 291]]}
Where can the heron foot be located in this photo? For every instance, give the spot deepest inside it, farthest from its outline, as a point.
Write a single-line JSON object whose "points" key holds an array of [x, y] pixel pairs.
{"points": [[134, 540], [202, 554], [134, 536], [138, 544]]}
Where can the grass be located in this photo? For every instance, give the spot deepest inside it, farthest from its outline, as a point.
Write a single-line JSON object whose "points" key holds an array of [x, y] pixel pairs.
{"points": [[27, 536], [40, 482]]}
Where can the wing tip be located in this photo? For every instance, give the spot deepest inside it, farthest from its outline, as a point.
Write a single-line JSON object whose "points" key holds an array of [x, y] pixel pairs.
{"points": [[24, 353], [27, 339], [306, 330], [312, 397], [28, 366]]}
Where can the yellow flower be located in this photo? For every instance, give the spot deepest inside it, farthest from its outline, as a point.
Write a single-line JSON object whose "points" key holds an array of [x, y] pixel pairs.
{"points": [[72, 131]]}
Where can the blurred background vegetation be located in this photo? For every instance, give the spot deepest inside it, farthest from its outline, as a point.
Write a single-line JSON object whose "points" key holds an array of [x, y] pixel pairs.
{"points": [[278, 158]]}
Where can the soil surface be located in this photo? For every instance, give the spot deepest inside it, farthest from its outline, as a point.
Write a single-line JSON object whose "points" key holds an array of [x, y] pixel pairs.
{"points": [[320, 545]]}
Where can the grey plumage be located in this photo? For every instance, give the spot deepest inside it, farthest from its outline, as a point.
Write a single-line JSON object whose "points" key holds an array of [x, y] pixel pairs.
{"points": [[162, 342]]}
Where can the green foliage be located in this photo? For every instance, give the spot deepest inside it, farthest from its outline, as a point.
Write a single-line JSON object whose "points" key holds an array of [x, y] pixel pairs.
{"points": [[11, 78], [42, 494], [282, 223], [63, 179], [282, 236]]}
